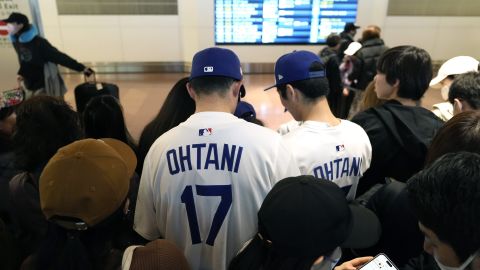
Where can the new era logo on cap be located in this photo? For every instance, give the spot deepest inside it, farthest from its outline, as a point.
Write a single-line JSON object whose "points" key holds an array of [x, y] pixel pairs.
{"points": [[295, 66], [216, 62]]}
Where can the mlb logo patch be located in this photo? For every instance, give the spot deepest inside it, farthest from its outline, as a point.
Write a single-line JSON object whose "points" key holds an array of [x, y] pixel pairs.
{"points": [[205, 131], [207, 69], [340, 147]]}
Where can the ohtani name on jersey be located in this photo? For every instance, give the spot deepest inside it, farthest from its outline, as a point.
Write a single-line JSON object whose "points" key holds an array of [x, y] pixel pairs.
{"points": [[339, 168], [206, 157]]}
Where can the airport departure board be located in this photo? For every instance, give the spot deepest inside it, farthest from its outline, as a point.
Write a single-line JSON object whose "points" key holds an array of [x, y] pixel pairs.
{"points": [[281, 21]]}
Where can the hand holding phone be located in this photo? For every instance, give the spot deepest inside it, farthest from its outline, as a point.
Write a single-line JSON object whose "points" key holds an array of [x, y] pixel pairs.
{"points": [[380, 262]]}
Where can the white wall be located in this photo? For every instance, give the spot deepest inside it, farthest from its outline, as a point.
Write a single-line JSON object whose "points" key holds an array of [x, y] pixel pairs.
{"points": [[177, 38], [113, 38]]}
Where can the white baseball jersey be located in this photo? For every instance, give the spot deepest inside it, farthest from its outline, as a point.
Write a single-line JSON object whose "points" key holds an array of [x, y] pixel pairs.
{"points": [[340, 153], [203, 183]]}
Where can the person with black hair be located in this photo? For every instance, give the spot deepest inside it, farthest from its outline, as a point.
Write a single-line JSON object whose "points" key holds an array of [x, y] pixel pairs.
{"points": [[302, 224], [33, 53], [400, 130], [178, 106], [445, 199], [446, 75], [323, 145], [85, 208], [103, 118], [329, 56], [204, 180], [464, 92], [390, 203], [44, 124]]}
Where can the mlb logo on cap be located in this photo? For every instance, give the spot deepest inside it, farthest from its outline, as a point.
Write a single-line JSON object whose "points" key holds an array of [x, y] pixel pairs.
{"points": [[216, 62], [295, 66], [208, 69]]}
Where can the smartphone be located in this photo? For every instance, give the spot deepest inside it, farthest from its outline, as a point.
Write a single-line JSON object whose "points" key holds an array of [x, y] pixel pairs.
{"points": [[380, 262]]}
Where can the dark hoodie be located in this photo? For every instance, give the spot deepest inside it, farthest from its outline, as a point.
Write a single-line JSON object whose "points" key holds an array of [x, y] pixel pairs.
{"points": [[400, 136], [33, 52]]}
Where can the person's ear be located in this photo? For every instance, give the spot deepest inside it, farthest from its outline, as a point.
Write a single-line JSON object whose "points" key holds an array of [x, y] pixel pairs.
{"points": [[236, 88], [457, 106], [191, 92], [396, 84], [291, 93]]}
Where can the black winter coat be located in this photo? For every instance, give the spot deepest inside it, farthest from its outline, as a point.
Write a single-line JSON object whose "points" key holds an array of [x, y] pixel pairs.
{"points": [[368, 57], [400, 136], [33, 52]]}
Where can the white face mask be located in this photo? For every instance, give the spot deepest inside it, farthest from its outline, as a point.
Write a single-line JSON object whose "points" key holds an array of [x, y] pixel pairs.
{"points": [[328, 262], [444, 91], [12, 29], [461, 267]]}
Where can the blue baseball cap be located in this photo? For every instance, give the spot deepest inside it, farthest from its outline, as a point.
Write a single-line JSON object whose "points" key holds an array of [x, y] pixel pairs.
{"points": [[216, 62], [244, 110], [295, 66]]}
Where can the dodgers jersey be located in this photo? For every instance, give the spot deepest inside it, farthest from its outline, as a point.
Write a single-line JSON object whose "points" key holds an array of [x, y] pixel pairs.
{"points": [[340, 153], [203, 183]]}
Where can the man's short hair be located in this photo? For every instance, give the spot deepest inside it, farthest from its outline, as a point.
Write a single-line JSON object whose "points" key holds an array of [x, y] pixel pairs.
{"points": [[211, 84], [467, 88], [446, 199], [370, 33], [411, 66], [333, 40], [311, 88]]}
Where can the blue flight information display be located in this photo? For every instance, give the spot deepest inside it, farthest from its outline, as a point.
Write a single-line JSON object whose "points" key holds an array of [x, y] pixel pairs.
{"points": [[281, 21]]}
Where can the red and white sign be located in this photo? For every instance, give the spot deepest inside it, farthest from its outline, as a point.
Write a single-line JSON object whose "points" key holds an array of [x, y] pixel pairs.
{"points": [[3, 28]]}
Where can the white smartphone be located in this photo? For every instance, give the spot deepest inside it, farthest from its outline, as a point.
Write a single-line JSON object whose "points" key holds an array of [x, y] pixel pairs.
{"points": [[380, 262]]}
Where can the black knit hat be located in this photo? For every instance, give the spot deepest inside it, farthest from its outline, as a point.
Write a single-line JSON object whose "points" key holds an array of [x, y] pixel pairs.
{"points": [[306, 217]]}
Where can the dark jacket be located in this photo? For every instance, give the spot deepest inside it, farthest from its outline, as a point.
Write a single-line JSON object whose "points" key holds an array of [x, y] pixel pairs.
{"points": [[7, 172], [401, 238], [33, 52], [400, 136], [332, 66], [25, 209], [423, 262], [368, 56]]}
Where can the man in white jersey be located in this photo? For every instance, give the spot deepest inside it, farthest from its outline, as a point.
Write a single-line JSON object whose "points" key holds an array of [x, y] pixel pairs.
{"points": [[323, 146], [203, 182]]}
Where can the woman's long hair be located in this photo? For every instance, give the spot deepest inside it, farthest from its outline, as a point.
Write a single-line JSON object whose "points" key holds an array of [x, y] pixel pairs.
{"points": [[103, 118], [44, 124], [178, 106]]}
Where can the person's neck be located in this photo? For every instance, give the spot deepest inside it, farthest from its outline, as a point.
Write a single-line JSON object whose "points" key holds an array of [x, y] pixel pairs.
{"points": [[319, 111], [212, 103], [408, 101]]}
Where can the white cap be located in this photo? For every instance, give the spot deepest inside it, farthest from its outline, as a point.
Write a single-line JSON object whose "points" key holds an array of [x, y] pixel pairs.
{"points": [[454, 66], [353, 48]]}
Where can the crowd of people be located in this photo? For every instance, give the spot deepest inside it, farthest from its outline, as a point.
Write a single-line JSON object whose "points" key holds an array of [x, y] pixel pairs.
{"points": [[208, 187]]}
